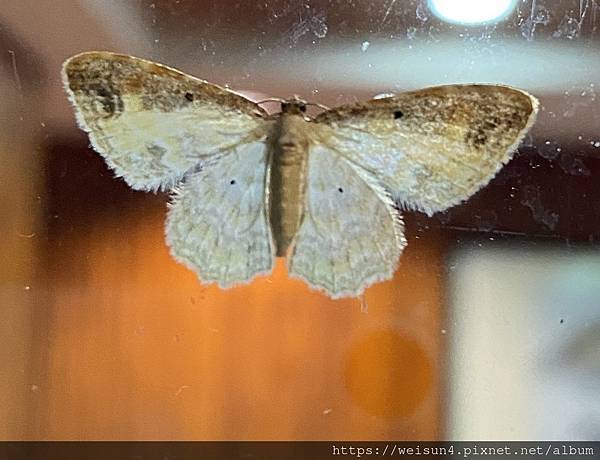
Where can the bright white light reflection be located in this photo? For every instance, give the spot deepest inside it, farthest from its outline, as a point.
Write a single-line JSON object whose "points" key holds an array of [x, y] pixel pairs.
{"points": [[472, 11]]}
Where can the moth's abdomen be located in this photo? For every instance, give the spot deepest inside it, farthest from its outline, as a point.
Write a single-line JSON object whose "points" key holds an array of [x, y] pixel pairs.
{"points": [[287, 182]]}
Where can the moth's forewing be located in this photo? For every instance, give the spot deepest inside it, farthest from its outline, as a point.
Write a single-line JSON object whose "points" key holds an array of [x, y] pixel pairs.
{"points": [[435, 147], [152, 123]]}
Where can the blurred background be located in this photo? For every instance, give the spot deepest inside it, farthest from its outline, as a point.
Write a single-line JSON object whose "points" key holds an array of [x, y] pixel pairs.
{"points": [[489, 330]]}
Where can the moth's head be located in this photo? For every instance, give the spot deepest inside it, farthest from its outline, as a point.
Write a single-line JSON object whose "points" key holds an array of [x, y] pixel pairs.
{"points": [[295, 106]]}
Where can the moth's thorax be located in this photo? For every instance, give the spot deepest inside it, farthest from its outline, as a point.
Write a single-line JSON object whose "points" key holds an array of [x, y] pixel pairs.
{"points": [[292, 139], [295, 106], [288, 159]]}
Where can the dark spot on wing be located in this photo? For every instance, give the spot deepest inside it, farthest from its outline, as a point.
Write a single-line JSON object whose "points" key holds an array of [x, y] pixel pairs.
{"points": [[108, 95], [398, 114], [156, 151], [341, 190], [476, 137], [189, 97], [232, 181]]}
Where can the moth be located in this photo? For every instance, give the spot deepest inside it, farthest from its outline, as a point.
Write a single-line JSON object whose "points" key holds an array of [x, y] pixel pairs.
{"points": [[325, 192]]}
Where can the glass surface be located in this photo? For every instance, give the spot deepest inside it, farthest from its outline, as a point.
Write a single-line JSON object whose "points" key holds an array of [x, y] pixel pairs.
{"points": [[105, 336]]}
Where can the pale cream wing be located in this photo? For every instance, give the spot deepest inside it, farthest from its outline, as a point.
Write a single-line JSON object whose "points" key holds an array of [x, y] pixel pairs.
{"points": [[151, 123], [217, 224], [351, 235], [435, 147]]}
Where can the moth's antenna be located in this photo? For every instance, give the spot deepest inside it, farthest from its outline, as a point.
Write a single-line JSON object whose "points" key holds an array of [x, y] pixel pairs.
{"points": [[270, 99], [321, 106], [281, 101]]}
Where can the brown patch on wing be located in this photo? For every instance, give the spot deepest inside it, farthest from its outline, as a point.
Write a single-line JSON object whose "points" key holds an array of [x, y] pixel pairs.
{"points": [[474, 108], [101, 80], [477, 115]]}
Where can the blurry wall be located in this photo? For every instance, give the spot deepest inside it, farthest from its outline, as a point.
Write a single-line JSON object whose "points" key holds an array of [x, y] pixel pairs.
{"points": [[20, 217], [526, 324]]}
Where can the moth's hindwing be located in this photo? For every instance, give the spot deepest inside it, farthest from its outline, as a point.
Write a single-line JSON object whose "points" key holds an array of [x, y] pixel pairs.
{"points": [[351, 234], [217, 224]]}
